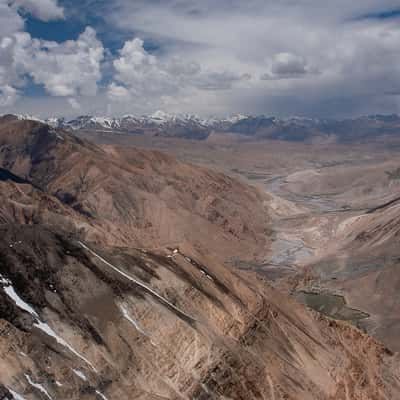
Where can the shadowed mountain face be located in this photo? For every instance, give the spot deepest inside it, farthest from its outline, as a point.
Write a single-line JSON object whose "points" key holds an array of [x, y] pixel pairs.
{"points": [[112, 285], [308, 130], [6, 175]]}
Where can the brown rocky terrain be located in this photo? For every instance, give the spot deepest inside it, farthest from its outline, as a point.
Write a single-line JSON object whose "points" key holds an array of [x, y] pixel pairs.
{"points": [[135, 197], [113, 285], [330, 235], [363, 263]]}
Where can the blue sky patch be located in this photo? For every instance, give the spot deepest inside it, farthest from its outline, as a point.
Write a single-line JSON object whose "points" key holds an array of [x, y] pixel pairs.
{"points": [[58, 31], [381, 15]]}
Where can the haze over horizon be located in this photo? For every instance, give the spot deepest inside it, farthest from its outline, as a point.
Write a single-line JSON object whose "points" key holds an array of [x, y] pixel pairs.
{"points": [[276, 58]]}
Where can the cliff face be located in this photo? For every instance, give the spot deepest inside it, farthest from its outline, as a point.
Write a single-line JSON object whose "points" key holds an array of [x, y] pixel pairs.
{"points": [[97, 303]]}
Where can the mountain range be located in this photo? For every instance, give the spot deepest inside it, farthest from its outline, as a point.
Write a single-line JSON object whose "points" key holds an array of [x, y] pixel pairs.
{"points": [[251, 127]]}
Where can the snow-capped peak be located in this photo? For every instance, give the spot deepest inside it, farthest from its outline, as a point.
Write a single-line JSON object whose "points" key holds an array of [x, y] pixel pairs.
{"points": [[236, 118], [29, 117], [158, 118], [161, 116]]}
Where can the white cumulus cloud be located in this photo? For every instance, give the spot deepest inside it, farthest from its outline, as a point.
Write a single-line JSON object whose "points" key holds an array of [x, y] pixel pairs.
{"points": [[65, 69], [8, 95], [71, 68], [139, 73], [118, 93]]}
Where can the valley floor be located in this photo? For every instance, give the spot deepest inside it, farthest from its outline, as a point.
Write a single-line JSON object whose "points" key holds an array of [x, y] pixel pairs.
{"points": [[317, 192]]}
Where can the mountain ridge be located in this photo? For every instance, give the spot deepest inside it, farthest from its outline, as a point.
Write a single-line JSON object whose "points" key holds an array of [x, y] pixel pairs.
{"points": [[256, 127]]}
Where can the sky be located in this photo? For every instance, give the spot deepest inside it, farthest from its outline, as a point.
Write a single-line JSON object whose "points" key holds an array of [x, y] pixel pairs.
{"points": [[310, 58]]}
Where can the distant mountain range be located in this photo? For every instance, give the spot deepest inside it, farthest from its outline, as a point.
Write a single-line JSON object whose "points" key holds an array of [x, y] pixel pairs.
{"points": [[259, 127]]}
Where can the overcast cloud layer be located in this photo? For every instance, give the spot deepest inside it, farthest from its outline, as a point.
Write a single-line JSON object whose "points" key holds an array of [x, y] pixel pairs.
{"points": [[283, 57]]}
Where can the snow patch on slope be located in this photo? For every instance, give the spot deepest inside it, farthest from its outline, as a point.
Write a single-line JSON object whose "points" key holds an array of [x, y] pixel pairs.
{"points": [[128, 317], [38, 386], [101, 395], [80, 374], [9, 290], [16, 395]]}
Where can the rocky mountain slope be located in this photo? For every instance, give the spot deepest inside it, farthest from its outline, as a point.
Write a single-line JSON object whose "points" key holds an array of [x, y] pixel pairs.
{"points": [[363, 263], [136, 197], [112, 285]]}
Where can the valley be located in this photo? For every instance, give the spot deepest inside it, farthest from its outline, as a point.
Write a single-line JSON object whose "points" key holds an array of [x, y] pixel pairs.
{"points": [[315, 193], [164, 268], [199, 200]]}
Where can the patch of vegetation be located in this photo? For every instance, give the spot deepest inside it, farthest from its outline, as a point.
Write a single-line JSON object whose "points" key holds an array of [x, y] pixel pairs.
{"points": [[331, 305]]}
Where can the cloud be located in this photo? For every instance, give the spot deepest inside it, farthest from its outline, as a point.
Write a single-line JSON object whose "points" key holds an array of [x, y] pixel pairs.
{"points": [[74, 103], [65, 69], [43, 61], [313, 57], [286, 66], [220, 80], [10, 78], [10, 21], [140, 71], [314, 52], [118, 93], [70, 68], [141, 74], [45, 10], [8, 95]]}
